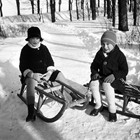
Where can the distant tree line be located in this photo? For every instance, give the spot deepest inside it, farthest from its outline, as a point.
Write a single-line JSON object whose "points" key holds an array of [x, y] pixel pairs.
{"points": [[92, 8]]}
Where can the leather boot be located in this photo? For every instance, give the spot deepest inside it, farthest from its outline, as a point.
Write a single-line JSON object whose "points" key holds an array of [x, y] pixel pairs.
{"points": [[31, 113], [112, 117], [95, 111]]}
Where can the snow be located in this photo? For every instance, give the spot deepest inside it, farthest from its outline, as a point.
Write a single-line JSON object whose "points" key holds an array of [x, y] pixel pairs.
{"points": [[73, 47]]}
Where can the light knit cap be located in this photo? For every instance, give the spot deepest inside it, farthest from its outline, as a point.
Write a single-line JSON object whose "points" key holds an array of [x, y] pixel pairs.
{"points": [[109, 37]]}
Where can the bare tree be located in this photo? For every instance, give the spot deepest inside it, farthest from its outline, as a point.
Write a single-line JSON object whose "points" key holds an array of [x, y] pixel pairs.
{"points": [[88, 10], [105, 5], [82, 7], [77, 12], [131, 8], [38, 6], [123, 19], [113, 12], [60, 1], [47, 6], [18, 7], [52, 6], [32, 5], [70, 9], [93, 8], [98, 3], [109, 12], [1, 14], [136, 5]]}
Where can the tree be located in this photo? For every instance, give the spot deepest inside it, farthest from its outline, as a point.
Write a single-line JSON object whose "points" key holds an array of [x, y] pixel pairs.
{"points": [[123, 19], [82, 7], [77, 12], [113, 12], [47, 5], [93, 8], [52, 6], [32, 5], [1, 14], [38, 6], [135, 11], [59, 5], [98, 3], [18, 7], [70, 9], [105, 3], [109, 12]]}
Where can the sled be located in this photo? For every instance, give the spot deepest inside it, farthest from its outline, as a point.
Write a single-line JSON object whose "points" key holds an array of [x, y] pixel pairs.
{"points": [[131, 94], [50, 103]]}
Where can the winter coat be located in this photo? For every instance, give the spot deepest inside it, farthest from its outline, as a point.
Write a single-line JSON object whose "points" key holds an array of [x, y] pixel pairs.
{"points": [[115, 63], [36, 60]]}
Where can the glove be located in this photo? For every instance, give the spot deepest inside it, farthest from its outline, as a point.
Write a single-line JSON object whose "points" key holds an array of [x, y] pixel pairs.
{"points": [[109, 79], [47, 76], [37, 76], [95, 77]]}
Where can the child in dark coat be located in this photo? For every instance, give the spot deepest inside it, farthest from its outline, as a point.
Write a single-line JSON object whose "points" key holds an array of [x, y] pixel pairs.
{"points": [[35, 61], [107, 68]]}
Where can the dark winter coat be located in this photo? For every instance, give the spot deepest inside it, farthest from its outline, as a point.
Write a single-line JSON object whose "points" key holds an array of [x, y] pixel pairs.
{"points": [[36, 60], [115, 63]]}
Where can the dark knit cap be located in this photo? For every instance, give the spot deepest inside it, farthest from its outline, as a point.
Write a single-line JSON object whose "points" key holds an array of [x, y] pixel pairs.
{"points": [[110, 37], [34, 32]]}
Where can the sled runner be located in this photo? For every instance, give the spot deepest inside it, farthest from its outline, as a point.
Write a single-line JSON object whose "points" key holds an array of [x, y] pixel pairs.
{"points": [[50, 103], [131, 94]]}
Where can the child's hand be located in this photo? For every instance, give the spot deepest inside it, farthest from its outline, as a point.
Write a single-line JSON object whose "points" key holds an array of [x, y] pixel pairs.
{"points": [[95, 77], [47, 76], [37, 76], [109, 79]]}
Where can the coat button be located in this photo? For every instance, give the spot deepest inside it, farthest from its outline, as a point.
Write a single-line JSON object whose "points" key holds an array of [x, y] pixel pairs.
{"points": [[105, 63]]}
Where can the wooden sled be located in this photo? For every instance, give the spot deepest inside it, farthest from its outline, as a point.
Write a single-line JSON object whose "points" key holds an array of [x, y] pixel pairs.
{"points": [[50, 103], [131, 94]]}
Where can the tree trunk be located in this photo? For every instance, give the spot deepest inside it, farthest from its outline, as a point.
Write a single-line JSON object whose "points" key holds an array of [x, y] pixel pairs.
{"points": [[88, 10], [105, 3], [70, 8], [93, 8], [47, 6], [123, 20], [1, 14], [82, 7], [32, 5], [109, 12], [135, 12], [113, 12], [18, 7], [38, 6], [77, 12], [98, 3], [59, 5], [52, 6]]}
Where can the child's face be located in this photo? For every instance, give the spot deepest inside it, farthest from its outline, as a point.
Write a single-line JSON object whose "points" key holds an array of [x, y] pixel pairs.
{"points": [[34, 41], [107, 47]]}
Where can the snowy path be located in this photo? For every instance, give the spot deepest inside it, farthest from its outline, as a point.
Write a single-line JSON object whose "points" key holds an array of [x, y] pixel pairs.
{"points": [[73, 60]]}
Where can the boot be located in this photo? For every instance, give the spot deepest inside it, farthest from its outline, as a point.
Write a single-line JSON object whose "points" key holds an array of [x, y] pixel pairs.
{"points": [[112, 117], [95, 111], [31, 113]]}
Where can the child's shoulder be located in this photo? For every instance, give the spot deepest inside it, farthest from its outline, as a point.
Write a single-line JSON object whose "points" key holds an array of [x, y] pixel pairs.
{"points": [[42, 46]]}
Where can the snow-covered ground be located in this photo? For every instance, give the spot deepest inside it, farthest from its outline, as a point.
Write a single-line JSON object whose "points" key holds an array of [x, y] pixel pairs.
{"points": [[73, 46]]}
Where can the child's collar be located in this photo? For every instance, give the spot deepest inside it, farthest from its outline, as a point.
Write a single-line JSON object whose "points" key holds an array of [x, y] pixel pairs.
{"points": [[30, 45]]}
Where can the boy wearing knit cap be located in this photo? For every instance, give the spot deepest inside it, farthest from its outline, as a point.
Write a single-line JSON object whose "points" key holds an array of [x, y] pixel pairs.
{"points": [[108, 67]]}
